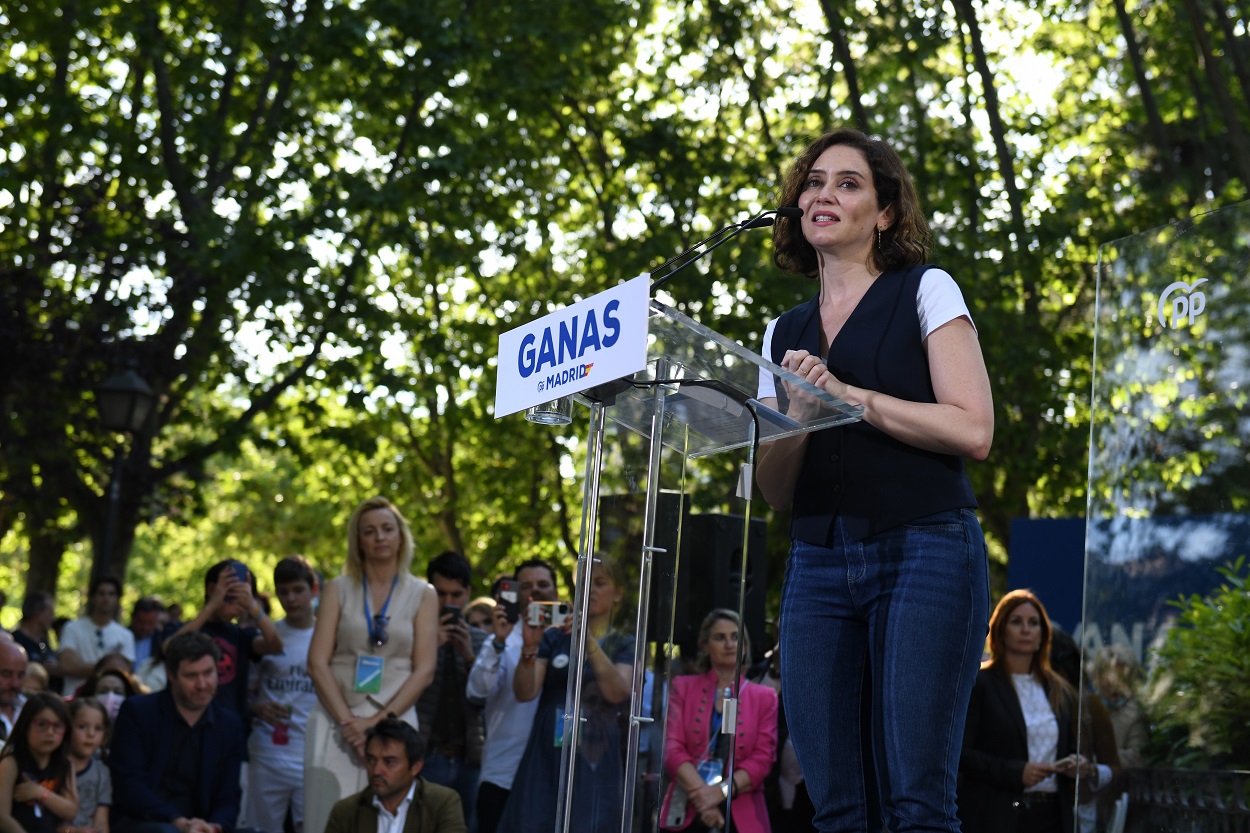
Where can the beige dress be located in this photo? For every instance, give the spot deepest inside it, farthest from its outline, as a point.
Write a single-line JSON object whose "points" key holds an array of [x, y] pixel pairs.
{"points": [[331, 770]]}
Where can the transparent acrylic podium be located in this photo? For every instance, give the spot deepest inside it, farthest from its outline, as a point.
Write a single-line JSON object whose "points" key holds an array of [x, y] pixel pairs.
{"points": [[694, 401], [1169, 492]]}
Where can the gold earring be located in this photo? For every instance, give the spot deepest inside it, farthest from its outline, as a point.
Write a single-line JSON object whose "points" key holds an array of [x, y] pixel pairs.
{"points": [[878, 237]]}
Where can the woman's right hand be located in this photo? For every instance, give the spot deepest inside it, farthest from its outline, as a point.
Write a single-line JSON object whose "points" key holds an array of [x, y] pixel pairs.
{"points": [[353, 732], [1035, 773]]}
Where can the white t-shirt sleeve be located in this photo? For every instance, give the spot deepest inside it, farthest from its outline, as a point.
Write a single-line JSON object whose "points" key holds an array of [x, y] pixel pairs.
{"points": [[768, 382], [75, 637], [127, 639], [939, 302]]}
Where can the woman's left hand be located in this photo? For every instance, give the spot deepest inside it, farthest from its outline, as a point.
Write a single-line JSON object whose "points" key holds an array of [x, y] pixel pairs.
{"points": [[708, 797], [1073, 765], [353, 731]]}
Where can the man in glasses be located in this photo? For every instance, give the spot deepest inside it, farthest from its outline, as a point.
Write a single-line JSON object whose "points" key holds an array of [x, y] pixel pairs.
{"points": [[88, 639]]}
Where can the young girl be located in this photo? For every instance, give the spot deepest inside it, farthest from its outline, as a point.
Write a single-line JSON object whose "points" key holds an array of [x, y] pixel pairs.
{"points": [[89, 724], [37, 788]]}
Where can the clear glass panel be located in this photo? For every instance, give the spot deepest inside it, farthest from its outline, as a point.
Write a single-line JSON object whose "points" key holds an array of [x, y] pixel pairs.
{"points": [[716, 416], [1169, 486]]}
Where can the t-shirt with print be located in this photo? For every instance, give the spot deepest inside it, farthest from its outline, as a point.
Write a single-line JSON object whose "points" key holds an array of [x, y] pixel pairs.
{"points": [[235, 644], [283, 678]]}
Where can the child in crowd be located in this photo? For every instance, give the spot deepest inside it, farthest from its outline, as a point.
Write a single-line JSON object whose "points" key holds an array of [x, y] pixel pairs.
{"points": [[284, 697], [237, 623], [37, 787], [89, 726], [36, 679]]}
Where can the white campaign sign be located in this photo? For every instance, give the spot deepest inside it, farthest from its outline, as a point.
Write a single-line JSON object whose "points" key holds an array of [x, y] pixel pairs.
{"points": [[591, 342]]}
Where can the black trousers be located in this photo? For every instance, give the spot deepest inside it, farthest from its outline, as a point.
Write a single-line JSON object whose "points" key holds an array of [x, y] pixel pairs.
{"points": [[1039, 813], [490, 801]]}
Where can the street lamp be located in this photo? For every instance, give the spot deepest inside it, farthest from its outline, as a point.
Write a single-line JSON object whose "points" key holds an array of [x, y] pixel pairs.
{"points": [[125, 401]]}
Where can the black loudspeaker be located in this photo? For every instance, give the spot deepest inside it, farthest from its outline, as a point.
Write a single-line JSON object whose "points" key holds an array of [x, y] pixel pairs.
{"points": [[707, 577], [620, 537]]}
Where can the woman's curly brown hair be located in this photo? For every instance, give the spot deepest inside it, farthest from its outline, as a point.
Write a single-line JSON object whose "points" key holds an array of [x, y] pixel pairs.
{"points": [[904, 243]]}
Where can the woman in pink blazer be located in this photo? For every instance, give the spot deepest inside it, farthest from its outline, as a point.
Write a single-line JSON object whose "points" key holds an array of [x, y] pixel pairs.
{"points": [[695, 750]]}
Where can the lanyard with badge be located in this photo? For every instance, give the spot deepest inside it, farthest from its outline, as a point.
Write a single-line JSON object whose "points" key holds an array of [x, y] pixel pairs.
{"points": [[368, 666], [712, 768]]}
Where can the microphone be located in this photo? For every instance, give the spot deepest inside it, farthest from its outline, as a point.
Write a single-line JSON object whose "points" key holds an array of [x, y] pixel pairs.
{"points": [[724, 235]]}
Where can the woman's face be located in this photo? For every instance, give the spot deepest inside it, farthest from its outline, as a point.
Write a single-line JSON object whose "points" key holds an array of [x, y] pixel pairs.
{"points": [[839, 202], [379, 536], [478, 617], [604, 595], [1023, 633], [721, 645], [110, 684]]}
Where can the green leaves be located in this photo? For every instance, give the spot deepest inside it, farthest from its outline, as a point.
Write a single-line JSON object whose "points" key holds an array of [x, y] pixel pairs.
{"points": [[1198, 699]]}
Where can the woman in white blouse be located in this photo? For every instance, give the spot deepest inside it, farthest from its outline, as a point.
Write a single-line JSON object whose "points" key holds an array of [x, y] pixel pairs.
{"points": [[1019, 763]]}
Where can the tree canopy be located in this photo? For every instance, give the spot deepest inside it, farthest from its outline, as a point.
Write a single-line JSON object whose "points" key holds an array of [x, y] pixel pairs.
{"points": [[305, 224]]}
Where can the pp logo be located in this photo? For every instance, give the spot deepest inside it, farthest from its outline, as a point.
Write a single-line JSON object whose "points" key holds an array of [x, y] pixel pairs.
{"points": [[1181, 302]]}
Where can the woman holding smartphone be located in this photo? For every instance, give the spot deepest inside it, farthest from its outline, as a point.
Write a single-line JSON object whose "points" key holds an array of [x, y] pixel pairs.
{"points": [[1019, 762]]}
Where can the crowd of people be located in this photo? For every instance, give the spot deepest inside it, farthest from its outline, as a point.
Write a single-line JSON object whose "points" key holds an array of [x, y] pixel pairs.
{"points": [[376, 696], [402, 705], [380, 694]]}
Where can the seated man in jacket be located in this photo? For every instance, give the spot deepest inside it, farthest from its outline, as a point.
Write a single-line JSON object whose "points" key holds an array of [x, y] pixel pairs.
{"points": [[397, 799], [175, 754]]}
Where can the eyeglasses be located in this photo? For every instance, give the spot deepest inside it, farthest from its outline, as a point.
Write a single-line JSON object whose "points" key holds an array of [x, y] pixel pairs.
{"points": [[54, 726], [379, 635], [99, 638]]}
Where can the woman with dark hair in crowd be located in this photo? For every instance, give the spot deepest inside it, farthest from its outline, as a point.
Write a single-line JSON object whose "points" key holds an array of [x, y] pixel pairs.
{"points": [[696, 751], [1019, 757], [886, 590], [543, 672], [372, 653], [110, 684]]}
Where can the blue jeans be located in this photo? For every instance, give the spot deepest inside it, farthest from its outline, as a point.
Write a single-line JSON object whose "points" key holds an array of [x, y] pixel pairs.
{"points": [[459, 776], [880, 644]]}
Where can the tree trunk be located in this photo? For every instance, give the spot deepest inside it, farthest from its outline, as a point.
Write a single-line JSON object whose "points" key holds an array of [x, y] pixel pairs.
{"points": [[1154, 121], [1006, 164], [842, 51], [1239, 148], [47, 548], [1233, 47], [973, 209]]}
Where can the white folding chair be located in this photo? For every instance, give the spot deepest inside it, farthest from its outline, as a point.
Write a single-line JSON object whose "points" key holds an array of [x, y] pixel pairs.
{"points": [[1116, 825]]}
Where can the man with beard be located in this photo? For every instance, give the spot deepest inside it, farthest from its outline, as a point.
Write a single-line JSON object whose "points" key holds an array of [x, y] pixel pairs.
{"points": [[398, 799], [12, 670], [86, 640], [508, 721], [176, 754]]}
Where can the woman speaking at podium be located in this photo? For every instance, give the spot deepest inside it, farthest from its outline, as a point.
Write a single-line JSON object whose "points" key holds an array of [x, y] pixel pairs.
{"points": [[886, 596]]}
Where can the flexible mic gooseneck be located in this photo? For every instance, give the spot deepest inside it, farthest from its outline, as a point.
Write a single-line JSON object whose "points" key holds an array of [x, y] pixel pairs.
{"points": [[722, 236]]}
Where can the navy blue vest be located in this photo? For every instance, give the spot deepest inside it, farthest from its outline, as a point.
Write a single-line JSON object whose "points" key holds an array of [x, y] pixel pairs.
{"points": [[856, 472]]}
